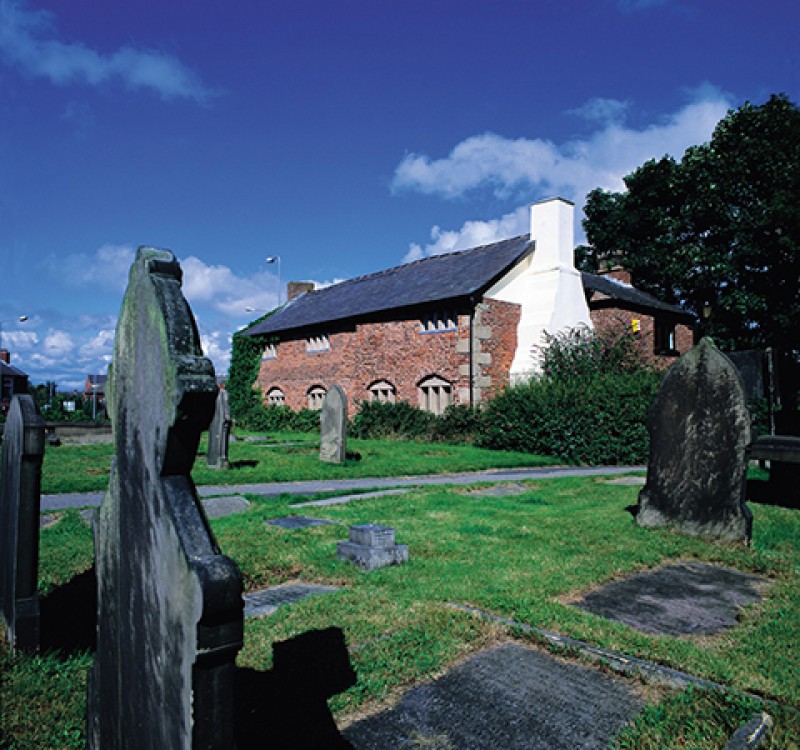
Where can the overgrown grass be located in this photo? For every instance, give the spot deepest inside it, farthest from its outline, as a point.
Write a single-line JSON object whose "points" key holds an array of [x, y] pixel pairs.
{"points": [[520, 556], [286, 457]]}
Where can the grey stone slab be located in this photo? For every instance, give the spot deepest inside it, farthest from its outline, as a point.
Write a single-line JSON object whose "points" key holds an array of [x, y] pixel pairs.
{"points": [[342, 499], [509, 697], [20, 504], [89, 515], [260, 603], [680, 599], [372, 558], [298, 522], [372, 535], [46, 520], [217, 507], [699, 428], [169, 605], [506, 489], [626, 481], [219, 433], [333, 427]]}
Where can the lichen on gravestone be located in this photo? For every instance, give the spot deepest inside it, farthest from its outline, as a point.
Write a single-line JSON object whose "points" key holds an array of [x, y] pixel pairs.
{"points": [[333, 427], [169, 613], [699, 428]]}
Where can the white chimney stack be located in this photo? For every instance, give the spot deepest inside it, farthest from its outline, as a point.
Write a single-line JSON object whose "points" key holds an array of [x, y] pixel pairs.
{"points": [[548, 288]]}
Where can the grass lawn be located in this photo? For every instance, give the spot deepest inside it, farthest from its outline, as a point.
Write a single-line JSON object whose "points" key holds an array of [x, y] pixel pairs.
{"points": [[286, 457], [519, 556]]}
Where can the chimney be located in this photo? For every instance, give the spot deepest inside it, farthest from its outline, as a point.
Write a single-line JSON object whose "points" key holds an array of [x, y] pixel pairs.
{"points": [[296, 288], [553, 231], [5, 356]]}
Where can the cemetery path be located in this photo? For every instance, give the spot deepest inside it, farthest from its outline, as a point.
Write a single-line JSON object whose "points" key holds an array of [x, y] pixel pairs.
{"points": [[310, 487]]}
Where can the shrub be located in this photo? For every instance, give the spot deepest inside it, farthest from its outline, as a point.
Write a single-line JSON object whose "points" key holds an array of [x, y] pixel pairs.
{"points": [[274, 418], [589, 405], [375, 419]]}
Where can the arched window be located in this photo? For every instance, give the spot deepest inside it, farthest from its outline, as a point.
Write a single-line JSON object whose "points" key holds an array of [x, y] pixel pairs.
{"points": [[276, 397], [435, 394], [316, 395], [382, 391]]}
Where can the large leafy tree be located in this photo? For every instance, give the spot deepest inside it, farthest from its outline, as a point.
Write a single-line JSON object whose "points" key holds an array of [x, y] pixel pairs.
{"points": [[719, 229]]}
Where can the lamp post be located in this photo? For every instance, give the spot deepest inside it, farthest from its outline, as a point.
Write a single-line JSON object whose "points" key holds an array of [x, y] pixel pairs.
{"points": [[20, 319], [276, 259]]}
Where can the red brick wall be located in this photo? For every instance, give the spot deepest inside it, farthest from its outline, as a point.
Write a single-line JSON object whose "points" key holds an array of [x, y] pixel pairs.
{"points": [[618, 319], [398, 352]]}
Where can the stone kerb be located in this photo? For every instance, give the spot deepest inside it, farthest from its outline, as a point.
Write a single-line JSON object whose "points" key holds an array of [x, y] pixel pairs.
{"points": [[699, 430], [20, 496], [219, 433], [169, 616], [333, 427]]}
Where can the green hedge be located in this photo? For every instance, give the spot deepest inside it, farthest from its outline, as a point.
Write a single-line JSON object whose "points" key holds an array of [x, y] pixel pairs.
{"points": [[588, 406], [458, 424]]}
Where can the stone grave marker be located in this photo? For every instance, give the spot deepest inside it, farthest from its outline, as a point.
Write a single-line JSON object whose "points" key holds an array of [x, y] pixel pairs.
{"points": [[219, 433], [298, 522], [333, 427], [372, 546], [169, 610], [699, 430], [20, 497]]}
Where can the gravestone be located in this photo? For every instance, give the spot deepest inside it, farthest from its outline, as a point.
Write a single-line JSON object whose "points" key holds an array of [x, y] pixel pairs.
{"points": [[699, 430], [169, 610], [219, 433], [333, 427], [372, 546], [23, 450]]}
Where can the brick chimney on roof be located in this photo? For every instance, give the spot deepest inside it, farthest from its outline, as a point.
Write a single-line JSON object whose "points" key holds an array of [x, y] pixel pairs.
{"points": [[5, 356]]}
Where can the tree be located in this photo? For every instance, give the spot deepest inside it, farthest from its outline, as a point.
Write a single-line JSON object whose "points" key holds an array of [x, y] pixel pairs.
{"points": [[717, 231]]}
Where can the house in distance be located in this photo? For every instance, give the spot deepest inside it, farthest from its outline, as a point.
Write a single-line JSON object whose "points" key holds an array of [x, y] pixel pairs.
{"points": [[454, 328]]}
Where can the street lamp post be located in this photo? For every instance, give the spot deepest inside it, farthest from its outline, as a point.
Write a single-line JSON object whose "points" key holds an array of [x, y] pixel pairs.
{"points": [[276, 259]]}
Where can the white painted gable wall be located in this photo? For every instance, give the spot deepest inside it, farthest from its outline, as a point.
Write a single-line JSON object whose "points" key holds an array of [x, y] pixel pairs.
{"points": [[546, 285]]}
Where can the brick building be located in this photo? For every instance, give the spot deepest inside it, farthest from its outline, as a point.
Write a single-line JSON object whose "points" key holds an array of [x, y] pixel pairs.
{"points": [[451, 329]]}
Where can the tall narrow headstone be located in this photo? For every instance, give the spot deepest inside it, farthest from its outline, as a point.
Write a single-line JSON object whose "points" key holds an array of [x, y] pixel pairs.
{"points": [[333, 427], [219, 433], [699, 430], [169, 613], [23, 450]]}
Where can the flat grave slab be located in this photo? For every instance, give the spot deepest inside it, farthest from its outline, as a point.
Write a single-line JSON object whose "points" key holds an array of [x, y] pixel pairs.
{"points": [[509, 697], [340, 499], [298, 522], [627, 481], [217, 507], [260, 603], [678, 599], [505, 489]]}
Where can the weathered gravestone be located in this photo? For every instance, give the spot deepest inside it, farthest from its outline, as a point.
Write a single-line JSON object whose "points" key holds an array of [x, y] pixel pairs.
{"points": [[372, 546], [699, 430], [169, 613], [219, 433], [23, 450], [333, 427]]}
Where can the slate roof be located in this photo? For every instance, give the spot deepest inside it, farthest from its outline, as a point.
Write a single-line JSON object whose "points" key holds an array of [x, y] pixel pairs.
{"points": [[618, 293], [7, 371], [438, 279]]}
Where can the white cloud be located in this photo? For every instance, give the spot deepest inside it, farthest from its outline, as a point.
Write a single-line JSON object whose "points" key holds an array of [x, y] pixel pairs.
{"points": [[472, 234], [541, 168], [99, 348], [28, 40], [535, 169], [58, 344]]}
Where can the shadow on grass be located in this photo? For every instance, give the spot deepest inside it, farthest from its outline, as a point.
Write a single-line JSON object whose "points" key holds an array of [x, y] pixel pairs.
{"points": [[68, 616], [286, 707], [246, 464]]}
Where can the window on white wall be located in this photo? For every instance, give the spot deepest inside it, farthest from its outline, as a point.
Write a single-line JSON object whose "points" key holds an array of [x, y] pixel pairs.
{"points": [[382, 391], [316, 395], [435, 394], [276, 397]]}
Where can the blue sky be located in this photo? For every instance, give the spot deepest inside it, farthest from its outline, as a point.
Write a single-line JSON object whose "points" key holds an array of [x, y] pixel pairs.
{"points": [[344, 136]]}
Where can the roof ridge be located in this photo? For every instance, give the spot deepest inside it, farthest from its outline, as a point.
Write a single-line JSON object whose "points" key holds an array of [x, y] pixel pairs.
{"points": [[386, 271]]}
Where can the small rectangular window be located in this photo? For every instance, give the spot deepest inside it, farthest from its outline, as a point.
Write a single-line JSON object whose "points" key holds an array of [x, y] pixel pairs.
{"points": [[664, 338], [319, 343], [270, 352]]}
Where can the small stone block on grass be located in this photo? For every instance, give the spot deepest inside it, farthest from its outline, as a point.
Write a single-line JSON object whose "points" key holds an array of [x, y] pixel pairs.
{"points": [[260, 603], [372, 546]]}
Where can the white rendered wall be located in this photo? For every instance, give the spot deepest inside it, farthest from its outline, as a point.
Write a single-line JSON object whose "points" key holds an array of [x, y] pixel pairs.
{"points": [[547, 285]]}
